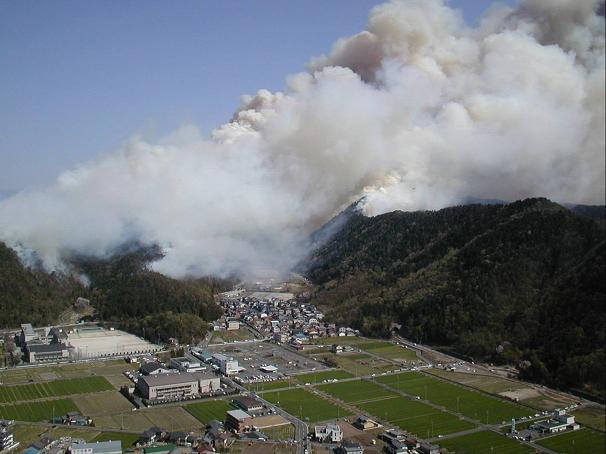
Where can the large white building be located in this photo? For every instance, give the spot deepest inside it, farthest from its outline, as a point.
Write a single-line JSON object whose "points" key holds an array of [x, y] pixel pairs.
{"points": [[177, 386], [227, 366]]}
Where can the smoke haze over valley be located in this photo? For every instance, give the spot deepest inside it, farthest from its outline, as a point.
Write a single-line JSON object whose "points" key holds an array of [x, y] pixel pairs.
{"points": [[416, 112]]}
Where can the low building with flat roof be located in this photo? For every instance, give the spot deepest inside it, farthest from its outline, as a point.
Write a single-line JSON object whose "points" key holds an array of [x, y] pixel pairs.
{"points": [[238, 420], [45, 353], [177, 385], [247, 403], [100, 447]]}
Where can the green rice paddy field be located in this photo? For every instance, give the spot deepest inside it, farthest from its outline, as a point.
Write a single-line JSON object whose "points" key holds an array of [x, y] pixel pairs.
{"points": [[456, 398], [485, 443], [577, 442], [415, 417], [207, 411], [55, 388], [37, 411], [356, 391], [317, 377], [305, 405], [128, 440]]}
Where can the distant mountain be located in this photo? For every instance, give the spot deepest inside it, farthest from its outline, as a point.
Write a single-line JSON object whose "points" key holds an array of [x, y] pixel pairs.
{"points": [[520, 283]]}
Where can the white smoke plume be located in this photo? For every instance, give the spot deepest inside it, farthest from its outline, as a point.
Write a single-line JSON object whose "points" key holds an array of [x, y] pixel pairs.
{"points": [[416, 112]]}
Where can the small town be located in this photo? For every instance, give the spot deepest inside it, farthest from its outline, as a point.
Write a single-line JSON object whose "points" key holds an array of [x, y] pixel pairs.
{"points": [[271, 376]]}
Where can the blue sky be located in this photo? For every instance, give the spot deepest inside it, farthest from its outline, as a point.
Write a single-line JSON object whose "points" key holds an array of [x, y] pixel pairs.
{"points": [[78, 78]]}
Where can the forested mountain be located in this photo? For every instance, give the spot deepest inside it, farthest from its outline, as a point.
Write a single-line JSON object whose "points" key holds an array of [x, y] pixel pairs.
{"points": [[123, 289], [521, 283], [32, 295]]}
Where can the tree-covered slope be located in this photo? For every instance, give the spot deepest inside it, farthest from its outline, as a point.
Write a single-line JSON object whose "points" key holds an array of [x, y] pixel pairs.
{"points": [[520, 283], [123, 290], [32, 295]]}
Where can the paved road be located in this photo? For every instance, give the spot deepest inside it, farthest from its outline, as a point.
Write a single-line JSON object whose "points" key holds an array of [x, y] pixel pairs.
{"points": [[301, 428]]}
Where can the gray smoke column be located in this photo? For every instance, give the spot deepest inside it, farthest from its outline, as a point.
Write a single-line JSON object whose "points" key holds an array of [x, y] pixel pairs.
{"points": [[416, 112]]}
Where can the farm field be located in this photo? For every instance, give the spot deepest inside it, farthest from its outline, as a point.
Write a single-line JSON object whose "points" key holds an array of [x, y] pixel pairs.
{"points": [[388, 350], [415, 417], [37, 411], [206, 411], [593, 417], [579, 441], [55, 388], [485, 443], [170, 417], [356, 391], [305, 405], [102, 404], [317, 377], [128, 440], [456, 398], [110, 369]]}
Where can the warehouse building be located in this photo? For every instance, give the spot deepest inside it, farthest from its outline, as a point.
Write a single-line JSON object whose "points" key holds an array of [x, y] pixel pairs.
{"points": [[177, 385]]}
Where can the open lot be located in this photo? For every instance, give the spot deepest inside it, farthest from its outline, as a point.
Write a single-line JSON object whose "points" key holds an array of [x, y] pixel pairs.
{"points": [[533, 396], [286, 432], [207, 411], [318, 377], [485, 443], [54, 388], [456, 398], [415, 417], [242, 334], [305, 405], [579, 441], [356, 391], [362, 364], [27, 434], [37, 411]]}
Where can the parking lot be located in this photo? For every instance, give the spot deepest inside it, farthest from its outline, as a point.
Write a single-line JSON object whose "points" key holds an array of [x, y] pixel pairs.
{"points": [[252, 356]]}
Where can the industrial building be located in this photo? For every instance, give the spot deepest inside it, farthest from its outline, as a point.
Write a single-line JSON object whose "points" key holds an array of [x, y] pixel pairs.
{"points": [[177, 385]]}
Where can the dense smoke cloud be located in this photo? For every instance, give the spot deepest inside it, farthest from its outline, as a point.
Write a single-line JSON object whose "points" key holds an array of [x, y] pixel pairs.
{"points": [[417, 112]]}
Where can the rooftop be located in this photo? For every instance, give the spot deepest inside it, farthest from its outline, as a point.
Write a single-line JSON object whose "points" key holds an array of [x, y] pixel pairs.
{"points": [[239, 414], [175, 379]]}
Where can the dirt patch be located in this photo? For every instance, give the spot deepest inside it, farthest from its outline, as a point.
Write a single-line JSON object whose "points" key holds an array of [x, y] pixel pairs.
{"points": [[363, 437], [520, 394]]}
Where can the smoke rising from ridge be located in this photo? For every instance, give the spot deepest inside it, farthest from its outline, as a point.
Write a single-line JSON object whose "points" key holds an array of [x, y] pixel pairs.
{"points": [[416, 112]]}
